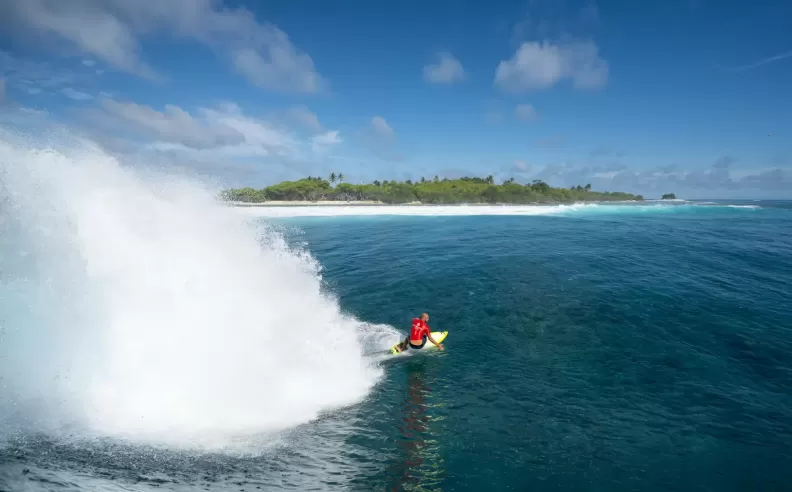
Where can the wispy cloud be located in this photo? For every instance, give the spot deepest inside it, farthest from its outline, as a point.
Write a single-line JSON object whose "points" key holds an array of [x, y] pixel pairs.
{"points": [[526, 112], [553, 19], [324, 141], [304, 117], [173, 125], [765, 61], [555, 142], [719, 179], [381, 128], [446, 71], [75, 94], [111, 31], [380, 138], [605, 150]]}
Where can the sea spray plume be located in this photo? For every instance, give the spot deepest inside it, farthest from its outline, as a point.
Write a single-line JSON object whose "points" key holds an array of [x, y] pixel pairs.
{"points": [[138, 306]]}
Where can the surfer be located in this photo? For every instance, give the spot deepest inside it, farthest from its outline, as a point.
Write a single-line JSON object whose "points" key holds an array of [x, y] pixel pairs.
{"points": [[419, 332]]}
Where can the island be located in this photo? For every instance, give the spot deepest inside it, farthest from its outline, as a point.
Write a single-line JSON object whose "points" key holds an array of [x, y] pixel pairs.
{"points": [[466, 190], [669, 196]]}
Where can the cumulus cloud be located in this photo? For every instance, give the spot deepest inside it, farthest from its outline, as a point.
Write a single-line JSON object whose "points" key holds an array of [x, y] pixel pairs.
{"points": [[542, 65], [447, 70], [525, 112], [112, 30]]}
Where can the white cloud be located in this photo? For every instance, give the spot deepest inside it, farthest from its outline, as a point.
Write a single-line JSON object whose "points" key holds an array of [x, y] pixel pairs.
{"points": [[88, 63], [525, 112], [323, 141], [75, 94], [93, 29], [259, 137], [446, 71], [111, 31], [382, 128], [542, 65], [174, 125]]}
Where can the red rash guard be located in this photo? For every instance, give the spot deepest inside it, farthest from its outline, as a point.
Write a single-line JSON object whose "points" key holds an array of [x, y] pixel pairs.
{"points": [[419, 329]]}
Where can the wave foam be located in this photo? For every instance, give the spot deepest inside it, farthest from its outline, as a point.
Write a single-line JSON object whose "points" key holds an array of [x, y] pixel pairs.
{"points": [[134, 305], [290, 211]]}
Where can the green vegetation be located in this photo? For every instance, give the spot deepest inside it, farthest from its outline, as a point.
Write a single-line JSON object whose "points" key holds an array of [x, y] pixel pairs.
{"points": [[434, 191], [669, 196]]}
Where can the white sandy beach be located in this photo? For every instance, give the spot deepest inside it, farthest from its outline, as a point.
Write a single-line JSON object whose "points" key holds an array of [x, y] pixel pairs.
{"points": [[304, 203]]}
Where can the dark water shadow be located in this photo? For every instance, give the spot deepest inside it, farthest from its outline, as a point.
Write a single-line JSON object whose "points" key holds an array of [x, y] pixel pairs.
{"points": [[421, 466]]}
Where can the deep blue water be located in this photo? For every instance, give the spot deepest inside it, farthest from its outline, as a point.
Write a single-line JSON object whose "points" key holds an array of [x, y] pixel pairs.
{"points": [[597, 351], [609, 349]]}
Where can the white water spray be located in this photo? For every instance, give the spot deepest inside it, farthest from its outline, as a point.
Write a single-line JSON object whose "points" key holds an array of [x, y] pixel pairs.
{"points": [[136, 306]]}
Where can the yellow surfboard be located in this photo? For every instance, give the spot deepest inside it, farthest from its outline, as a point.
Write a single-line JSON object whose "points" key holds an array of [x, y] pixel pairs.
{"points": [[439, 336]]}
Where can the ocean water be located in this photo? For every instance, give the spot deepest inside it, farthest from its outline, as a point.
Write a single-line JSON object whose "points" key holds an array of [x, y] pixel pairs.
{"points": [[153, 339]]}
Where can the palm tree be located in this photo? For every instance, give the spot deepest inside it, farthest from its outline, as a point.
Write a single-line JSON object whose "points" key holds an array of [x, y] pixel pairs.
{"points": [[587, 187], [436, 179], [490, 179], [423, 180], [376, 183], [340, 176], [332, 177]]}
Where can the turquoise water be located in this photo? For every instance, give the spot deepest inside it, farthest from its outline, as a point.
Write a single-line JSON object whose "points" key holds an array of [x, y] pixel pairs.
{"points": [[608, 348]]}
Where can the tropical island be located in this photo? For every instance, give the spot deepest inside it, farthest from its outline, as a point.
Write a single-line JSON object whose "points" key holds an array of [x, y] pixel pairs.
{"points": [[669, 196], [467, 190]]}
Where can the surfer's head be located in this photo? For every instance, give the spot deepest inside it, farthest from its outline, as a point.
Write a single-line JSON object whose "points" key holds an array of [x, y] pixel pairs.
{"points": [[424, 317]]}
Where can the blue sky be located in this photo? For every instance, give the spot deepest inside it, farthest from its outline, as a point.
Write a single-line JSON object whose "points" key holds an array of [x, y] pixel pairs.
{"points": [[689, 96]]}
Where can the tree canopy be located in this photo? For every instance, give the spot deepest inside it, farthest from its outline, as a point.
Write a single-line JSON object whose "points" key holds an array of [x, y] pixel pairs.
{"points": [[427, 191], [669, 196]]}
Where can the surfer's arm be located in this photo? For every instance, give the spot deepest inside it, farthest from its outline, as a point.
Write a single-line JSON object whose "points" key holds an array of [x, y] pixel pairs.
{"points": [[429, 336]]}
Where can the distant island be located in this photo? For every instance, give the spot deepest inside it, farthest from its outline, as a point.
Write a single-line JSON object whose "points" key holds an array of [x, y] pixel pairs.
{"points": [[669, 196], [426, 191]]}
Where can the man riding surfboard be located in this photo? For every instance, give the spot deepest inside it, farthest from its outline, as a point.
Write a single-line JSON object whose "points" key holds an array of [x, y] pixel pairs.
{"points": [[419, 332]]}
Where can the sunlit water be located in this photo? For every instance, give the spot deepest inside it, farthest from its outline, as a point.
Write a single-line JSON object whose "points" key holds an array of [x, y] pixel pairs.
{"points": [[153, 339]]}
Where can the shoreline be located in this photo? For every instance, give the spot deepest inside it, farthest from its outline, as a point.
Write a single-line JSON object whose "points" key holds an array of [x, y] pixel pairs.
{"points": [[308, 203], [371, 203]]}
